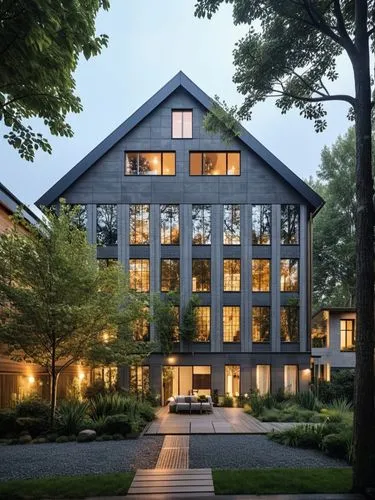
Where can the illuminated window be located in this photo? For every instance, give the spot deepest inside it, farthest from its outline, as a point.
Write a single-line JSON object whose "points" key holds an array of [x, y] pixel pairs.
{"points": [[289, 324], [170, 275], [289, 224], [261, 224], [232, 275], [176, 332], [263, 379], [201, 274], [140, 379], [231, 225], [106, 262], [139, 274], [261, 323], [106, 225], [139, 224], [169, 225], [232, 380], [261, 275], [108, 374], [201, 218], [347, 335], [215, 163], [141, 330], [203, 315], [182, 124], [319, 330], [290, 379], [150, 163], [289, 275], [80, 217], [231, 324]]}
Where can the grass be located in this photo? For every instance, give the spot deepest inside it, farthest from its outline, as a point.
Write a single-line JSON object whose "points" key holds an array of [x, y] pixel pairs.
{"points": [[67, 487], [288, 481]]}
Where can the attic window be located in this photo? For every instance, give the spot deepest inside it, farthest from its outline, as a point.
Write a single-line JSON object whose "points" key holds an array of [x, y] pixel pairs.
{"points": [[182, 124]]}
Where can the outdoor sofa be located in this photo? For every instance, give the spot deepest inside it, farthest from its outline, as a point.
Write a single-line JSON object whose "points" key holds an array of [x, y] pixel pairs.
{"points": [[178, 404]]}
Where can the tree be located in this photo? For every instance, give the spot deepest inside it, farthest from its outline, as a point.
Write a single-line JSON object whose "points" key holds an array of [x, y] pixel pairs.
{"points": [[40, 45], [334, 226], [166, 321], [189, 321], [290, 54], [57, 305]]}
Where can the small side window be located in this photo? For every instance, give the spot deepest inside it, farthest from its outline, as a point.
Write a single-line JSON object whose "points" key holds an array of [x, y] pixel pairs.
{"points": [[182, 124]]}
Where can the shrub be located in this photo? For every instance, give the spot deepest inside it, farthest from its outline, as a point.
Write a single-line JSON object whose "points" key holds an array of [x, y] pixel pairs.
{"points": [[51, 437], [337, 445], [270, 415], [62, 439], [256, 404], [107, 404], [32, 425], [98, 425], [106, 437], [302, 436], [341, 405], [340, 386], [215, 397], [228, 402], [33, 407], [146, 411], [117, 424], [39, 440], [70, 416], [117, 437], [7, 422], [25, 439], [72, 437], [308, 400], [97, 387]]}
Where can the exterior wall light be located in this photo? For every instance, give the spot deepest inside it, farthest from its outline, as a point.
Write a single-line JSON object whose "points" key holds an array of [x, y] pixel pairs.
{"points": [[31, 379]]}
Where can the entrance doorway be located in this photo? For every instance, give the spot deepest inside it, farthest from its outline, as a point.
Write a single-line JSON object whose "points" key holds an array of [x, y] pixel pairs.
{"points": [[186, 380]]}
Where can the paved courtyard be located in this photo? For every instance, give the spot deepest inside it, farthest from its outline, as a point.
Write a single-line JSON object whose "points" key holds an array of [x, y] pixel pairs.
{"points": [[220, 421]]}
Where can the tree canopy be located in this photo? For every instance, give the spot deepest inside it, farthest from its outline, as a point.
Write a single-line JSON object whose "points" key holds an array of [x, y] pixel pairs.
{"points": [[40, 46]]}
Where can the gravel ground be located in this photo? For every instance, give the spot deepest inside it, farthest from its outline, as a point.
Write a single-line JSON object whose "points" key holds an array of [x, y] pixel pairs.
{"points": [[52, 459], [246, 452]]}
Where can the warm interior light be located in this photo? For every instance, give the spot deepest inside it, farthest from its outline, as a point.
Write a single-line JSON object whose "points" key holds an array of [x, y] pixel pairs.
{"points": [[105, 337], [171, 360], [81, 376], [31, 379]]}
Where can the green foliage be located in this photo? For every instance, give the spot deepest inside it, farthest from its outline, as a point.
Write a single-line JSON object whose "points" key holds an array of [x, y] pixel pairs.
{"points": [[338, 445], [166, 320], [189, 320], [37, 65], [301, 436], [117, 424], [70, 416], [32, 425], [341, 405], [222, 119], [96, 388], [107, 404], [62, 439], [228, 401], [7, 422], [33, 407], [308, 400], [25, 439], [340, 386]]}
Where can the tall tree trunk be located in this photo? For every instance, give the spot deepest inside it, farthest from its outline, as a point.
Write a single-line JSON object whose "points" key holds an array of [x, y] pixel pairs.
{"points": [[364, 427], [54, 377]]}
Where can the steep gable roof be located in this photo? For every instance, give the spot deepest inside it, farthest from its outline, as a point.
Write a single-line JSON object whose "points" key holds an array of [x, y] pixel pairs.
{"points": [[12, 204], [180, 80]]}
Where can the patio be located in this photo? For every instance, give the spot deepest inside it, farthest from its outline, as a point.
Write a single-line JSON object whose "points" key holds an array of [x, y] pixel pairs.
{"points": [[220, 421]]}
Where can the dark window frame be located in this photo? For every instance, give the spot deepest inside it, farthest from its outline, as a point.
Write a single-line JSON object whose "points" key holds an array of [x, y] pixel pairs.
{"points": [[231, 275], [296, 339], [298, 227], [116, 216], [225, 378], [202, 210], [149, 224], [270, 275], [233, 236], [226, 163], [268, 308], [182, 110], [149, 273], [169, 230], [352, 321], [205, 307], [225, 307], [202, 281], [289, 276], [161, 152], [255, 244], [161, 275]]}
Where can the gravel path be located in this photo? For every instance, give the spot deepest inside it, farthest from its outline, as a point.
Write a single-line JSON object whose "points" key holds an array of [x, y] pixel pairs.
{"points": [[246, 452], [52, 459]]}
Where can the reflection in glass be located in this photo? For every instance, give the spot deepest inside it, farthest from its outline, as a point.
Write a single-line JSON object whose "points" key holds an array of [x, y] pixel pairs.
{"points": [[289, 324], [169, 225], [261, 275], [201, 217], [261, 323], [231, 225], [261, 224], [232, 275], [289, 275], [106, 225], [289, 224], [170, 275], [231, 324], [203, 315], [201, 274], [150, 163], [139, 274], [139, 224]]}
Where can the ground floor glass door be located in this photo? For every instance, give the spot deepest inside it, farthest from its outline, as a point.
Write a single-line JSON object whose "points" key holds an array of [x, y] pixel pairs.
{"points": [[186, 380]]}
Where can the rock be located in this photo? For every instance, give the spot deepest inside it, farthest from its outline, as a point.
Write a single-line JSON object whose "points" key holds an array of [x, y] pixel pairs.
{"points": [[25, 439], [86, 436]]}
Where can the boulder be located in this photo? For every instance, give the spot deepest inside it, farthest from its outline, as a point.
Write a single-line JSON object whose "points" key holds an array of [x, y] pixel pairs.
{"points": [[86, 435]]}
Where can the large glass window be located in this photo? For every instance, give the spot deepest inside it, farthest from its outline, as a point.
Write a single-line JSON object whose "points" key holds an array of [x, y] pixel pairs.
{"points": [[261, 323], [289, 275], [141, 330], [263, 379], [289, 224], [319, 330], [106, 262], [261, 224], [182, 124], [140, 379], [201, 218], [106, 225], [203, 315], [215, 163], [80, 216], [169, 224], [232, 275], [170, 275], [231, 225], [347, 335], [290, 379], [150, 163], [139, 224], [261, 275], [139, 274], [232, 380], [289, 324], [231, 324], [201, 273]]}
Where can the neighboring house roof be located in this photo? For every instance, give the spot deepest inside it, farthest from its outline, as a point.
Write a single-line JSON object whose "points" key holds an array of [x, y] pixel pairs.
{"points": [[335, 310], [12, 204], [180, 80]]}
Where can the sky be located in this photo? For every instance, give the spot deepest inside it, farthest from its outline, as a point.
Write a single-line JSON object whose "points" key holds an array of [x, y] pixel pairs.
{"points": [[149, 42]]}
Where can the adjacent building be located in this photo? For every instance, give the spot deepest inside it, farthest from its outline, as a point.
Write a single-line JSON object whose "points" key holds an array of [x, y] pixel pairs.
{"points": [[333, 341], [229, 223]]}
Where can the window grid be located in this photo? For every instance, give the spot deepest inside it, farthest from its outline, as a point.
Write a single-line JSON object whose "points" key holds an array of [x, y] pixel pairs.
{"points": [[232, 275], [261, 224], [201, 275], [139, 272], [347, 335], [289, 275], [231, 226], [289, 324], [139, 224], [150, 163], [140, 379], [290, 217], [201, 221], [203, 316], [215, 163], [169, 224], [170, 275], [106, 225], [231, 324], [261, 324], [261, 275]]}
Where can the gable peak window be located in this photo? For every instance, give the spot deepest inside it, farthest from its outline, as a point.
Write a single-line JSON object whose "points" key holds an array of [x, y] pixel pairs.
{"points": [[215, 163], [182, 124], [150, 163]]}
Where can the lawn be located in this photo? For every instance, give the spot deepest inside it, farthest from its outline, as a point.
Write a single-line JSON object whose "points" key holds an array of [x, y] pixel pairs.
{"points": [[288, 481], [67, 487]]}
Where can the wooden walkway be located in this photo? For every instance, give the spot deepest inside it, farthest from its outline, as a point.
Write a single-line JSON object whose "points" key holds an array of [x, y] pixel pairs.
{"points": [[220, 421], [174, 453]]}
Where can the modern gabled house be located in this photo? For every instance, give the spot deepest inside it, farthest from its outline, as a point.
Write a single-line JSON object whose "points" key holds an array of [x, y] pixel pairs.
{"points": [[231, 224], [333, 341]]}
